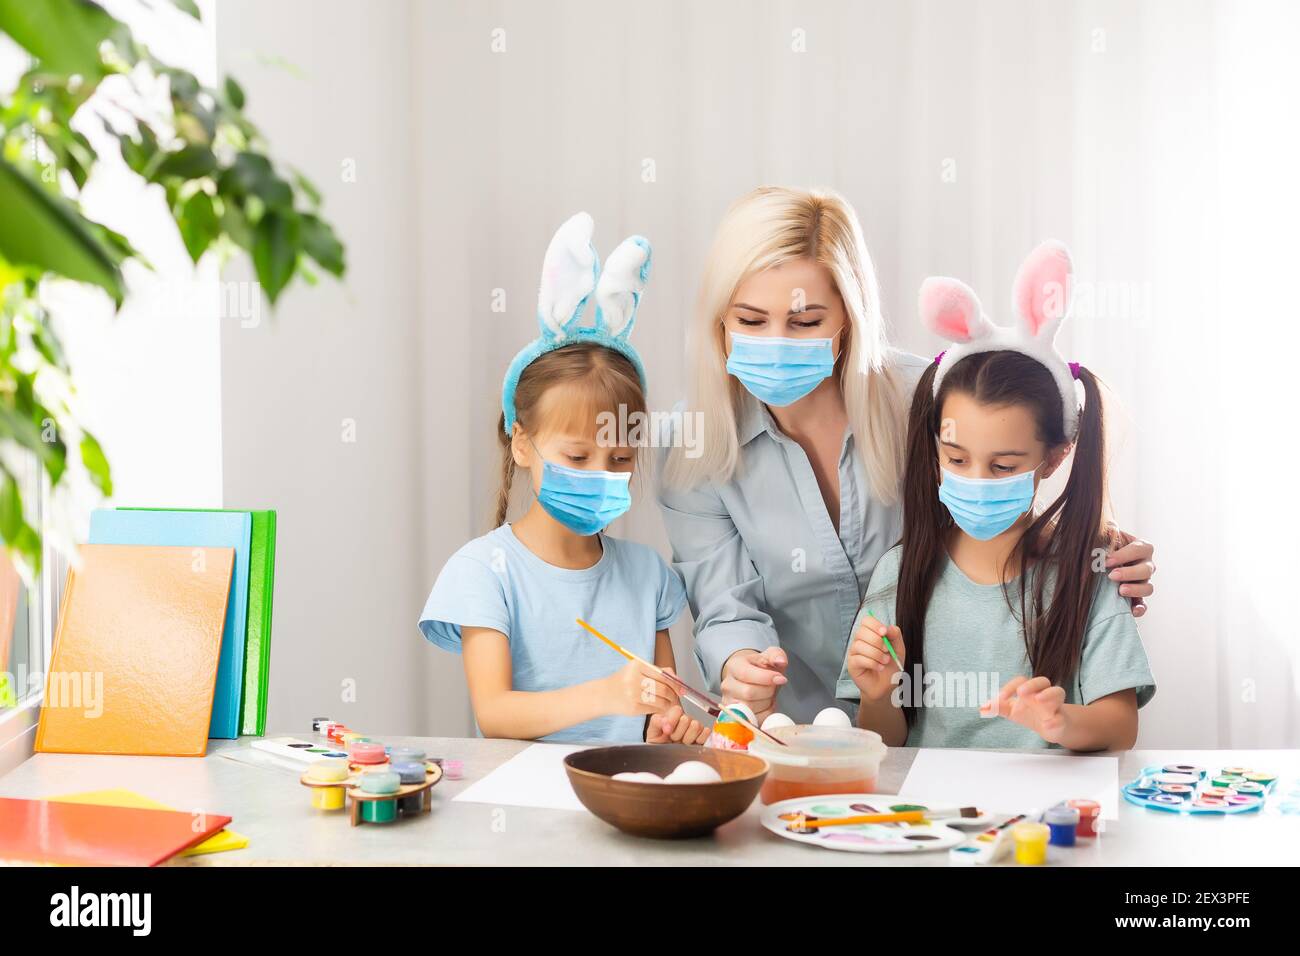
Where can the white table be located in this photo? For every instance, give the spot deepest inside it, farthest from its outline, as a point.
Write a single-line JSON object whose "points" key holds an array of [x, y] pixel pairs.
{"points": [[273, 810]]}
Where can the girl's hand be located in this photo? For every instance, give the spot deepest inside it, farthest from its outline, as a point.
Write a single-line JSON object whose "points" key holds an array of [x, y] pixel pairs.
{"points": [[1032, 703], [1130, 566], [675, 726], [869, 664], [635, 690], [753, 678]]}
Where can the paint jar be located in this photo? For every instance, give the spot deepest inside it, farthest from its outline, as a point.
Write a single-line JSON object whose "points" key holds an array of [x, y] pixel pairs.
{"points": [[379, 783], [327, 771], [409, 772], [1031, 843], [818, 760], [367, 752], [318, 724], [1089, 813], [405, 755], [1062, 821], [452, 769]]}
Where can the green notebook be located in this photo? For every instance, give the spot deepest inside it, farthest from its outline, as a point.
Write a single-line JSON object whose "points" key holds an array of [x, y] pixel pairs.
{"points": [[257, 645]]}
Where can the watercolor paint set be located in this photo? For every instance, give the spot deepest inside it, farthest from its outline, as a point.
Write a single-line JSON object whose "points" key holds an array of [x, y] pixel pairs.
{"points": [[828, 821], [1194, 791]]}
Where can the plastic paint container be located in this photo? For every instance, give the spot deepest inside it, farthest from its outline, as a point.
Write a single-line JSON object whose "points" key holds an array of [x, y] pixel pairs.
{"points": [[1183, 791], [1089, 812], [381, 783], [1246, 788], [452, 769], [1263, 779], [1210, 803], [1186, 768], [1241, 800], [1224, 781], [818, 760], [1167, 799], [1142, 793], [327, 771], [398, 755], [409, 772], [1216, 793], [1062, 821], [318, 724], [1235, 771], [367, 752], [1031, 843]]}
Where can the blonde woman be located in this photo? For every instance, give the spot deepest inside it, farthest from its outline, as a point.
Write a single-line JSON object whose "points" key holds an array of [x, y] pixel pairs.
{"points": [[792, 495]]}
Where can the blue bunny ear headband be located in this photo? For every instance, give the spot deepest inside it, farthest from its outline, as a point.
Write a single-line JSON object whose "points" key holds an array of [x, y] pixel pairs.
{"points": [[570, 272]]}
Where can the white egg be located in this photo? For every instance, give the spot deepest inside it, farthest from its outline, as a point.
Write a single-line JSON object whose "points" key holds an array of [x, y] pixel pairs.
{"points": [[640, 776], [693, 771], [777, 720], [742, 708], [832, 717]]}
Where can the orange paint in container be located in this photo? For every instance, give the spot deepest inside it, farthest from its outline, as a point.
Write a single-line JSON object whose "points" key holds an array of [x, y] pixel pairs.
{"points": [[1089, 811], [819, 760]]}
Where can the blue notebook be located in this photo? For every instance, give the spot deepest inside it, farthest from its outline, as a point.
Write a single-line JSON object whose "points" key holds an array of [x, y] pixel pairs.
{"points": [[199, 529]]}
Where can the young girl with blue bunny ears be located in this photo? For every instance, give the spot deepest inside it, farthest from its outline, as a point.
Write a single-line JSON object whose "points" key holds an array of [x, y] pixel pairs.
{"points": [[508, 601], [1003, 621]]}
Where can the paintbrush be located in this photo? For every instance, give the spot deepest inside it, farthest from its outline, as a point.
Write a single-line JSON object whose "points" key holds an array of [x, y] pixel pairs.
{"points": [[710, 706], [889, 647], [903, 816]]}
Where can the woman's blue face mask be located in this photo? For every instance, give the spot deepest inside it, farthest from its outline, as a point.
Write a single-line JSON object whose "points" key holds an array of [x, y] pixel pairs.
{"points": [[986, 507], [780, 371], [583, 501]]}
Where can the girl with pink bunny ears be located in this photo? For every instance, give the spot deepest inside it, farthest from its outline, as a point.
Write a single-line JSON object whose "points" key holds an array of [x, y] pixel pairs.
{"points": [[984, 585]]}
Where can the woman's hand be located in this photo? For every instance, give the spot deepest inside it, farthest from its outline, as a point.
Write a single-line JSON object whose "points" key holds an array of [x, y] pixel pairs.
{"points": [[1032, 703], [753, 677], [636, 689], [869, 664], [1130, 566], [675, 726]]}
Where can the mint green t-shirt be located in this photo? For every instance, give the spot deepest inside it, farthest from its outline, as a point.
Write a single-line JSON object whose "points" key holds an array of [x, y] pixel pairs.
{"points": [[974, 645]]}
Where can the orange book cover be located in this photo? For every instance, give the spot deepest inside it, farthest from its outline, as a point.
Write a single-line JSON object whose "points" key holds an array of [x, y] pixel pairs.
{"points": [[135, 656], [83, 834]]}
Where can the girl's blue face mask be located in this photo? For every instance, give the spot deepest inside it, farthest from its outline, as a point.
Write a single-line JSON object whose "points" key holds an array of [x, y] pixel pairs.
{"points": [[986, 507], [583, 501], [779, 371]]}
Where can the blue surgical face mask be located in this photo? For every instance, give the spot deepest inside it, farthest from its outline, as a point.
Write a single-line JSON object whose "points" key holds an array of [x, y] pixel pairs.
{"points": [[779, 371], [985, 507], [583, 501]]}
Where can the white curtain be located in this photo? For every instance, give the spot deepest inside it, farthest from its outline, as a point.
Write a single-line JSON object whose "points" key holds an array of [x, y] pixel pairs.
{"points": [[1157, 139]]}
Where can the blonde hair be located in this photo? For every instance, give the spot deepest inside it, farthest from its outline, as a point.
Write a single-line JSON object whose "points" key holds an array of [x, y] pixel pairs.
{"points": [[766, 228], [598, 380]]}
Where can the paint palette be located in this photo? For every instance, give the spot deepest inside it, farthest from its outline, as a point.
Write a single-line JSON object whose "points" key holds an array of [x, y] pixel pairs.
{"points": [[1193, 790], [866, 837], [300, 751]]}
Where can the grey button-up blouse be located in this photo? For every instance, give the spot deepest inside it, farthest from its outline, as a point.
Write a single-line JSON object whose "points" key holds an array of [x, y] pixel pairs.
{"points": [[764, 565]]}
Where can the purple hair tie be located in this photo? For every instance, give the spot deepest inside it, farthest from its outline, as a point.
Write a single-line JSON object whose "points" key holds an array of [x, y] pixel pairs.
{"points": [[1074, 370], [940, 356]]}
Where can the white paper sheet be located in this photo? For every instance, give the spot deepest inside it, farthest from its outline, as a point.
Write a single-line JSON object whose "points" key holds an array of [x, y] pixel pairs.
{"points": [[534, 777], [1009, 783]]}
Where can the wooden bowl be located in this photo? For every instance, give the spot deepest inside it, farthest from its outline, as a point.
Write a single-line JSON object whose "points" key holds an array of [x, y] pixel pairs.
{"points": [[666, 810]]}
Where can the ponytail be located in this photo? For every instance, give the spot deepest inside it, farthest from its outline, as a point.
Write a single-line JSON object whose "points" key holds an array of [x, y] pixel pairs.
{"points": [[507, 473], [925, 527]]}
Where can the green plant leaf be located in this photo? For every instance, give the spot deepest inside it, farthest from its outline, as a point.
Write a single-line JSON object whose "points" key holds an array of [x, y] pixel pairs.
{"points": [[187, 6], [92, 456], [275, 250], [251, 174], [198, 224], [11, 508], [42, 229], [319, 242], [188, 162], [64, 35], [234, 93]]}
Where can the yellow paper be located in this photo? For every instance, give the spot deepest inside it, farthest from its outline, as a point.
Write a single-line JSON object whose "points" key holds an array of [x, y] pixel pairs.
{"points": [[218, 842]]}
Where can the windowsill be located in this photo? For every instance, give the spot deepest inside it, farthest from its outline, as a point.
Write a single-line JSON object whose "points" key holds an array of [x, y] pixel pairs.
{"points": [[18, 733]]}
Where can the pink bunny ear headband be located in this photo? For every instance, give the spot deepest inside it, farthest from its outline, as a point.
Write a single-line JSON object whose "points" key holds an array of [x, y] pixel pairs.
{"points": [[1040, 298]]}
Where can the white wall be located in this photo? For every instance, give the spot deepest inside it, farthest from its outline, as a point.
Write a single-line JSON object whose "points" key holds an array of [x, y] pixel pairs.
{"points": [[331, 86]]}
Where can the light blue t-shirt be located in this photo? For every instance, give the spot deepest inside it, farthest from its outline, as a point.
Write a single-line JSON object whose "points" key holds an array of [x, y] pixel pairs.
{"points": [[974, 645], [496, 582]]}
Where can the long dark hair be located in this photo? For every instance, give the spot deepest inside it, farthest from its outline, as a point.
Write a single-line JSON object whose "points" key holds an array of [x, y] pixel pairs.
{"points": [[1061, 542]]}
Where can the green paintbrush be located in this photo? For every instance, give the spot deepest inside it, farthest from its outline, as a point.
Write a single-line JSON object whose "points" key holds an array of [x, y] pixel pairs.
{"points": [[889, 647]]}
